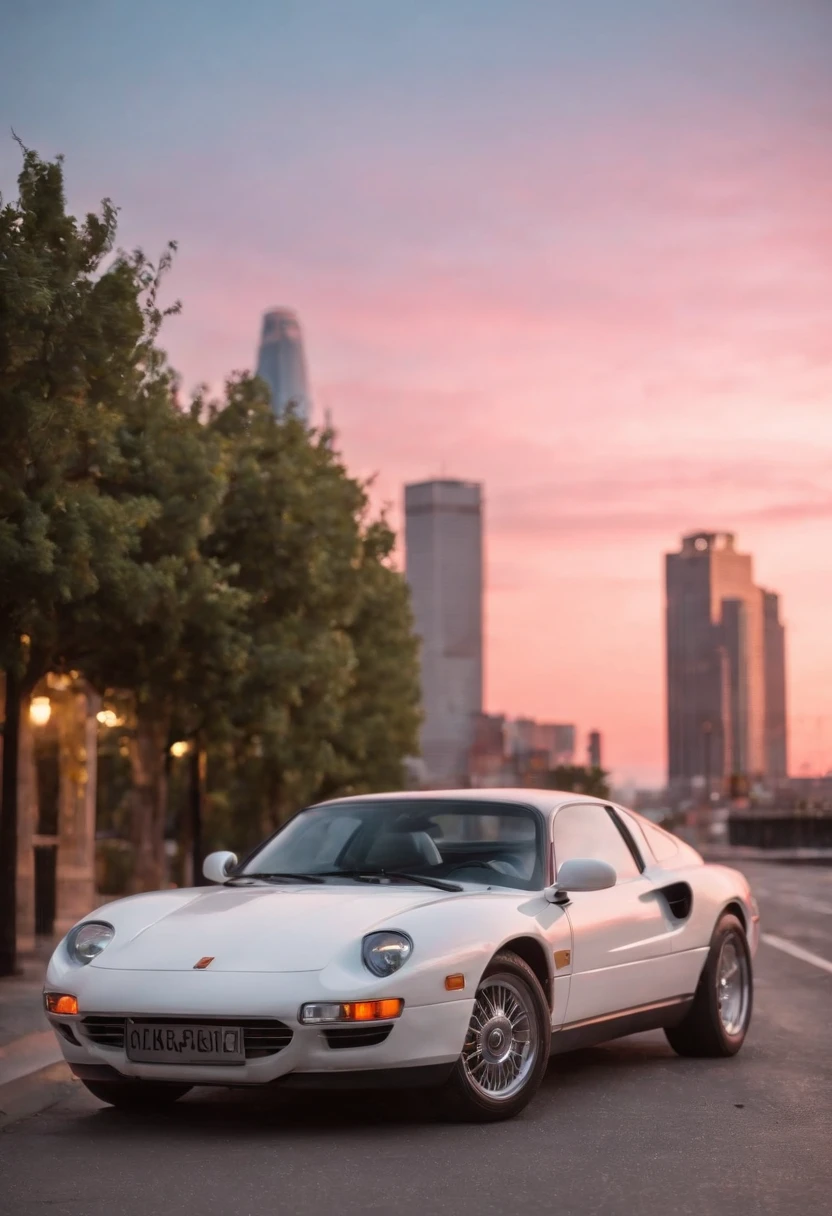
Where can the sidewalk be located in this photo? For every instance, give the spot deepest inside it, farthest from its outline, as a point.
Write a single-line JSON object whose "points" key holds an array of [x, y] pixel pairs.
{"points": [[32, 1072]]}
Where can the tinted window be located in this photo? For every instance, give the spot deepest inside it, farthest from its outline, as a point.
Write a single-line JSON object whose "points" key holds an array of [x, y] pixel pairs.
{"points": [[589, 831], [663, 846], [493, 843]]}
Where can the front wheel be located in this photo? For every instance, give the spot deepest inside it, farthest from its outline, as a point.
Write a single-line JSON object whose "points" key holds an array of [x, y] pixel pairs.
{"points": [[718, 1020], [506, 1049], [137, 1095]]}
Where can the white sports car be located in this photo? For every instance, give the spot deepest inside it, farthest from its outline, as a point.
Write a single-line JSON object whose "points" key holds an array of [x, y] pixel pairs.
{"points": [[446, 939]]}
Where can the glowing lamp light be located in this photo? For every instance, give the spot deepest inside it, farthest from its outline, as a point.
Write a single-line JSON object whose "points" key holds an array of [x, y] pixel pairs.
{"points": [[179, 749], [40, 711], [61, 1002], [108, 717]]}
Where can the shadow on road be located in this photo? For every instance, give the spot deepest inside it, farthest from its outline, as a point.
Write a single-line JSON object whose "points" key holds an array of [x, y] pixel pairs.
{"points": [[241, 1112]]}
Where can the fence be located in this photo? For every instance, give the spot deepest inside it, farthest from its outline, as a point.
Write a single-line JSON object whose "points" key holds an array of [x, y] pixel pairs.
{"points": [[777, 829]]}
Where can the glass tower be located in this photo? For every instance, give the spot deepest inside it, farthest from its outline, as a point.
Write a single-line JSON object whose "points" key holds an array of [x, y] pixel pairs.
{"points": [[282, 364]]}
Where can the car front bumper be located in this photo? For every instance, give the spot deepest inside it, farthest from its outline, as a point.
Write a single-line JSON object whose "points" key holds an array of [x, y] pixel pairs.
{"points": [[426, 1038]]}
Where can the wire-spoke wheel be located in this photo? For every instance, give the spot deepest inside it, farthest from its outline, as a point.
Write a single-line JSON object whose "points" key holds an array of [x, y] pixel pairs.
{"points": [[718, 1019], [732, 987], [502, 1042], [506, 1048]]}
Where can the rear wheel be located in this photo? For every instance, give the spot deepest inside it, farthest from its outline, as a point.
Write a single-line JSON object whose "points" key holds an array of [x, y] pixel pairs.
{"points": [[506, 1049], [718, 1020], [137, 1095]]}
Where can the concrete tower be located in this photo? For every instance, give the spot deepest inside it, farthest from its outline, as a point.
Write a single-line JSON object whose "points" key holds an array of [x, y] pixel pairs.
{"points": [[443, 531]]}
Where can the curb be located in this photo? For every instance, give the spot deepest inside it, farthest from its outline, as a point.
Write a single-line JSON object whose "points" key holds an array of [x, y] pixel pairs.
{"points": [[34, 1092]]}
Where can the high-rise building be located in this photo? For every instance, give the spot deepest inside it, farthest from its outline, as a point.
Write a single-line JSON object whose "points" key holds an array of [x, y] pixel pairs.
{"points": [[717, 669], [594, 749], [282, 363], [774, 640], [444, 541]]}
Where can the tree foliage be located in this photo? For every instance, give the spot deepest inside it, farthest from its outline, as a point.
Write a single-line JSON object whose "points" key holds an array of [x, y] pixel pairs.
{"points": [[215, 571], [328, 621], [73, 337], [578, 779]]}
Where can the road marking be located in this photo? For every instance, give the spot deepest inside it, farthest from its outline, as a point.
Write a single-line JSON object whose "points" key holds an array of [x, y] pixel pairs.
{"points": [[806, 956]]}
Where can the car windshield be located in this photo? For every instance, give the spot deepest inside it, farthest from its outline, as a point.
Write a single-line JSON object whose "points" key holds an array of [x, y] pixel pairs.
{"points": [[493, 843]]}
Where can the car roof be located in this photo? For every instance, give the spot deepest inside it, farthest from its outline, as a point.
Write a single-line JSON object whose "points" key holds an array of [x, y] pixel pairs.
{"points": [[546, 801]]}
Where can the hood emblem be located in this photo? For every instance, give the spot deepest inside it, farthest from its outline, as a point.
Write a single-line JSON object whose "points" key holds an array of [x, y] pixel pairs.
{"points": [[204, 962]]}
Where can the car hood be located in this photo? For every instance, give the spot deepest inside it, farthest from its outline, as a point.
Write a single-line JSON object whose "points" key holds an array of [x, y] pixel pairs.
{"points": [[252, 929]]}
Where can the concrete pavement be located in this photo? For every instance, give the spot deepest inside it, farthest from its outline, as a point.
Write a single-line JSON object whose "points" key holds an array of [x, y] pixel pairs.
{"points": [[625, 1129]]}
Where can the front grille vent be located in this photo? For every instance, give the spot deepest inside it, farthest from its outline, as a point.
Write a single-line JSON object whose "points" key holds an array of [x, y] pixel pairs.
{"points": [[361, 1036], [262, 1036]]}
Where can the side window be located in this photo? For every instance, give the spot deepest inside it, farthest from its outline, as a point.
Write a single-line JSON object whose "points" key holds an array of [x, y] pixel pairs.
{"points": [[588, 831], [664, 846]]}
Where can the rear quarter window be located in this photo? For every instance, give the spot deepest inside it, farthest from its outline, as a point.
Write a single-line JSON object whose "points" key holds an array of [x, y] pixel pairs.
{"points": [[663, 845]]}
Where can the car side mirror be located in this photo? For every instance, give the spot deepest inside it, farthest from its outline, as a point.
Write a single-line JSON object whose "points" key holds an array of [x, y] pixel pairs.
{"points": [[581, 874], [217, 866]]}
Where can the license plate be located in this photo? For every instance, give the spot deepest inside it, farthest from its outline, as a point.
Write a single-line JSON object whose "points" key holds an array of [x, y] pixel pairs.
{"points": [[157, 1043]]}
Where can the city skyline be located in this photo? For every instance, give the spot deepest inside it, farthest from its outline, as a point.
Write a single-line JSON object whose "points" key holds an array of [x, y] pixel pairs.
{"points": [[576, 255]]}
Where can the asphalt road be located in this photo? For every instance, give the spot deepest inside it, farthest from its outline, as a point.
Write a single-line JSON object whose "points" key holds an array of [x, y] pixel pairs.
{"points": [[628, 1128]]}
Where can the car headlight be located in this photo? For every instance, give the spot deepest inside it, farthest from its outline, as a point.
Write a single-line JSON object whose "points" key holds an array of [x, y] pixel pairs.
{"points": [[384, 953], [87, 941]]}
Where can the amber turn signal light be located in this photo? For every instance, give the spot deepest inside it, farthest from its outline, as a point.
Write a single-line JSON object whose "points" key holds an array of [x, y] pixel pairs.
{"points": [[351, 1011], [371, 1011], [454, 983], [60, 1002]]}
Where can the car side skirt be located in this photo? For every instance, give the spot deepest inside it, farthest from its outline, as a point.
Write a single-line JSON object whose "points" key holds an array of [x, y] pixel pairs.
{"points": [[575, 1035]]}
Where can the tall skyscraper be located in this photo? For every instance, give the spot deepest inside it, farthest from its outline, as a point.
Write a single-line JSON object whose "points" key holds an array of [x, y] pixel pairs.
{"points": [[443, 536], [282, 363], [593, 749], [720, 681], [775, 666]]}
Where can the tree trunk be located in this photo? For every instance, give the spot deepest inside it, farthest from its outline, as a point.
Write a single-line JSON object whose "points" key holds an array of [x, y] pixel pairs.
{"points": [[196, 794], [149, 799], [8, 824]]}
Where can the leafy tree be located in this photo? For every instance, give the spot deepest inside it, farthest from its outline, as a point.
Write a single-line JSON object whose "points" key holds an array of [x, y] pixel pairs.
{"points": [[72, 336], [165, 626], [382, 710], [330, 702], [290, 523], [575, 778]]}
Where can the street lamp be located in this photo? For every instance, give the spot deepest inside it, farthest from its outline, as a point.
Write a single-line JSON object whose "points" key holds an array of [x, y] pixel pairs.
{"points": [[180, 748], [40, 711]]}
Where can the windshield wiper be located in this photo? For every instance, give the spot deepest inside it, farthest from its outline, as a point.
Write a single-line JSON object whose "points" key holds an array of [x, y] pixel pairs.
{"points": [[439, 884], [276, 877]]}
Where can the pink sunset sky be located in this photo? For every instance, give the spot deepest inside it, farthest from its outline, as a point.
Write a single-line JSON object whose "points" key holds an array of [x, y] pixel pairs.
{"points": [[582, 258]]}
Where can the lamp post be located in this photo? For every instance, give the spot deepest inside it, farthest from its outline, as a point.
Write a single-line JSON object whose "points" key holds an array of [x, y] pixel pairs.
{"points": [[191, 830]]}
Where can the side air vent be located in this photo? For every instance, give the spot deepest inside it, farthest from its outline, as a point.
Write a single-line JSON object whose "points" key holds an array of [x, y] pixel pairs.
{"points": [[360, 1036], [679, 899]]}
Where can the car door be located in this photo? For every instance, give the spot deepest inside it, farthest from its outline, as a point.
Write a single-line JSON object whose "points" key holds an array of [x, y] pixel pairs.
{"points": [[620, 936]]}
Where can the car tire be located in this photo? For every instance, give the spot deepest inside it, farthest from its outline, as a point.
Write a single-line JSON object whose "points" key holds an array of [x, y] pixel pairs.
{"points": [[137, 1095], [506, 1048], [718, 1020]]}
